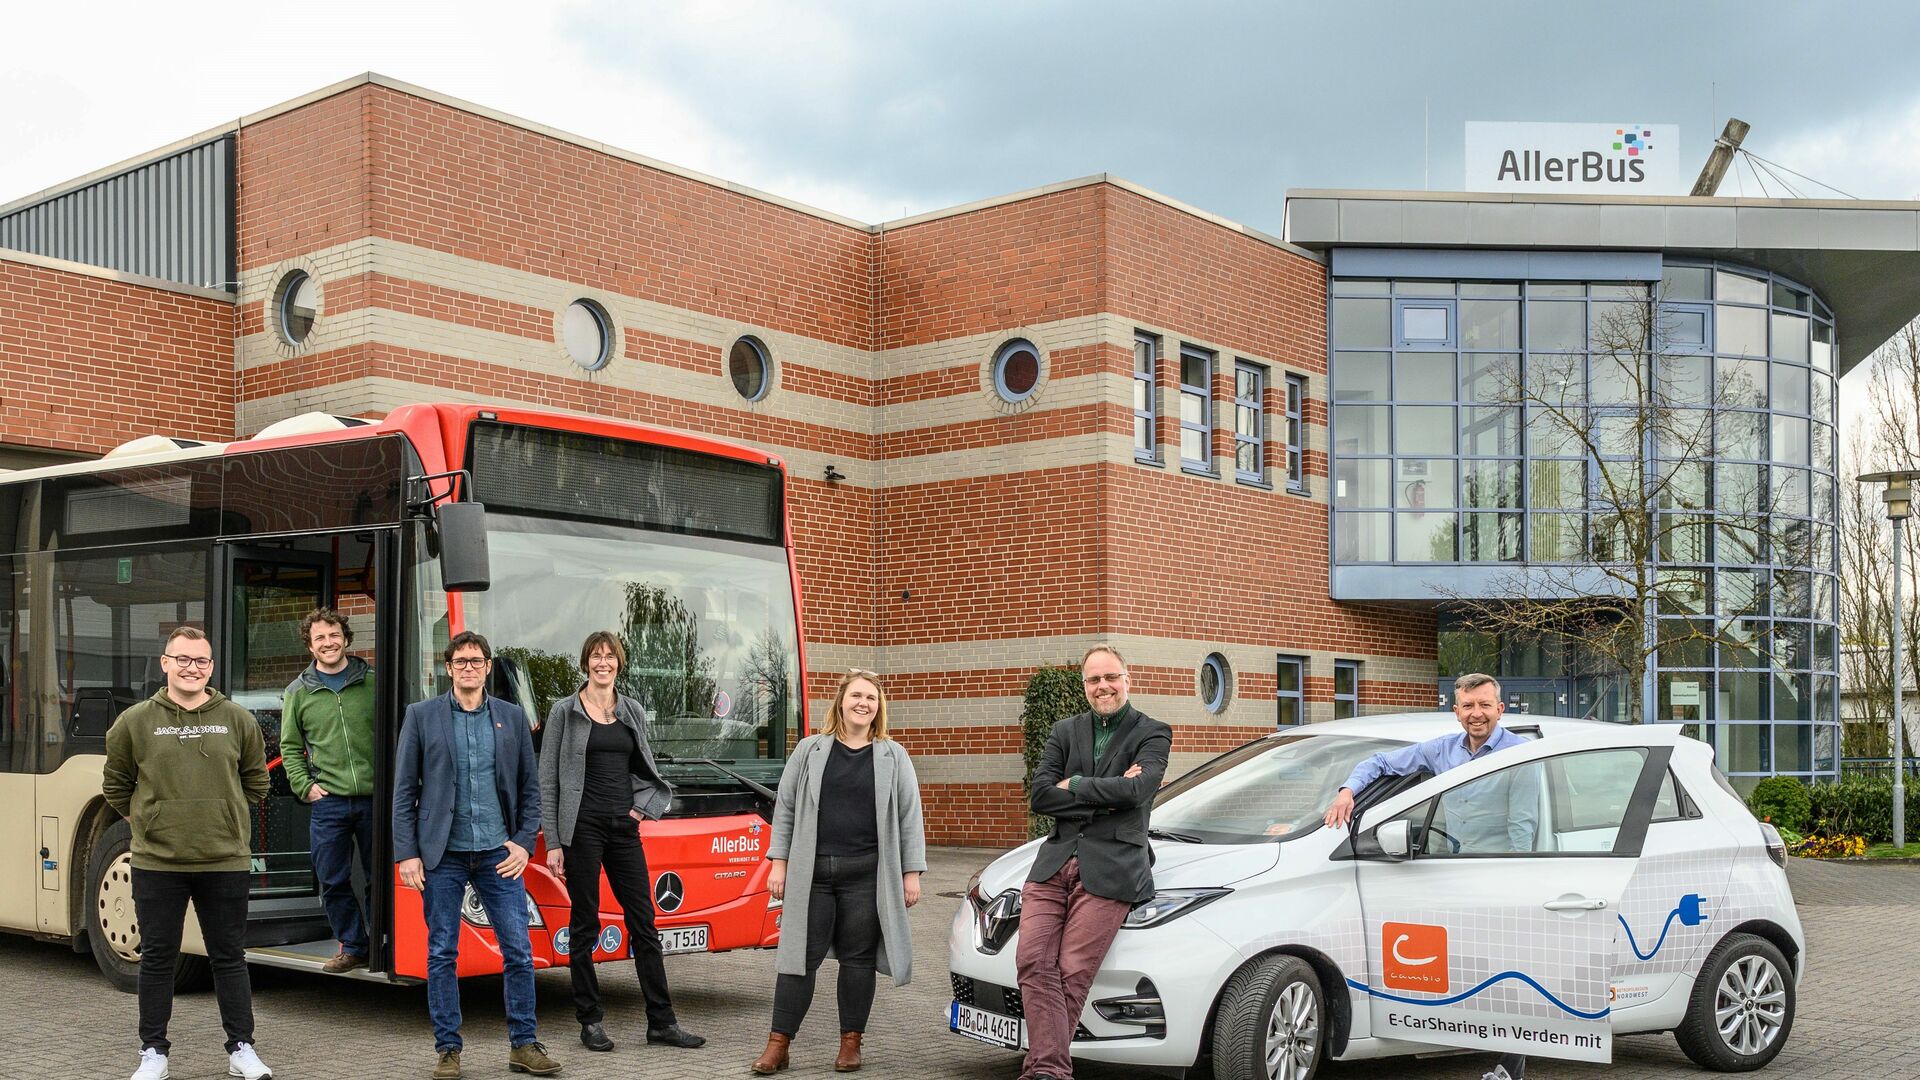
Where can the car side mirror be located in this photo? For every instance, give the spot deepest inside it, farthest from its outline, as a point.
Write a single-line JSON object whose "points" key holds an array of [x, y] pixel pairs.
{"points": [[1393, 840]]}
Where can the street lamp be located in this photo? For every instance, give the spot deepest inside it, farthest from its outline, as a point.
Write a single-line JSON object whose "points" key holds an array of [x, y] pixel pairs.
{"points": [[1899, 499]]}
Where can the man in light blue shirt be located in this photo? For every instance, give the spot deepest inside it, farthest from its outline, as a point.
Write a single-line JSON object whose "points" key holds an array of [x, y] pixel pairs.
{"points": [[1496, 813]]}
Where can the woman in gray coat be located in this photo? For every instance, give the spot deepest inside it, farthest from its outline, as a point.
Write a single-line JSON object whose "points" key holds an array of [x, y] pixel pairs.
{"points": [[847, 854], [598, 780]]}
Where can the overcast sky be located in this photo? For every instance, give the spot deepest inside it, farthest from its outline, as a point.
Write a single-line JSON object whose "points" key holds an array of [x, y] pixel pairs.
{"points": [[879, 109]]}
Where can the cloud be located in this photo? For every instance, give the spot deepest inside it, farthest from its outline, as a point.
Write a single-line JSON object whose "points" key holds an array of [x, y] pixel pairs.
{"points": [[875, 110]]}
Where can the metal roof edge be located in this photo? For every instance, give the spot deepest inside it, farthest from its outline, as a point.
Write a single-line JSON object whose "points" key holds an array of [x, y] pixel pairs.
{"points": [[1378, 195], [89, 270]]}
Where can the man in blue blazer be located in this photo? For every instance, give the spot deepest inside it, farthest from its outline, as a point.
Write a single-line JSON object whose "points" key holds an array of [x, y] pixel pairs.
{"points": [[466, 809]]}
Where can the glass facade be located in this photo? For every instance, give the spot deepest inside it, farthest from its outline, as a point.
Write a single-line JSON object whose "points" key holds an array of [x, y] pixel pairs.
{"points": [[1521, 423]]}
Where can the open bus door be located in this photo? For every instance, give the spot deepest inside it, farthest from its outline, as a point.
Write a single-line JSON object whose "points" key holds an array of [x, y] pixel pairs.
{"points": [[265, 591]]}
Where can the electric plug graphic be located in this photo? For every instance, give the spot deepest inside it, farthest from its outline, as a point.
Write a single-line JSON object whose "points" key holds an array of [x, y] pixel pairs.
{"points": [[1691, 910]]}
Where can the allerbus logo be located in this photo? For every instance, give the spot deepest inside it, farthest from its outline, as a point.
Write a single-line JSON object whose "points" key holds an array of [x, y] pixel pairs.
{"points": [[1622, 162], [1625, 158]]}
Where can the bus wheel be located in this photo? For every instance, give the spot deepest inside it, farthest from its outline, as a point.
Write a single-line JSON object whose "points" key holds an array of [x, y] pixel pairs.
{"points": [[112, 929]]}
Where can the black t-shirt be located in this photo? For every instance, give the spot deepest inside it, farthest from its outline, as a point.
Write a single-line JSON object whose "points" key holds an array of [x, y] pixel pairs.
{"points": [[847, 822], [608, 791]]}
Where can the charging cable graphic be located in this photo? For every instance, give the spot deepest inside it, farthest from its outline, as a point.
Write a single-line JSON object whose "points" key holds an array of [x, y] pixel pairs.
{"points": [[1689, 911]]}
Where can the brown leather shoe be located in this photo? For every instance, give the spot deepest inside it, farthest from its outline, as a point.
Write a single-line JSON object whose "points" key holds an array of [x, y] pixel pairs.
{"points": [[343, 962], [531, 1058], [849, 1057], [774, 1057], [448, 1067]]}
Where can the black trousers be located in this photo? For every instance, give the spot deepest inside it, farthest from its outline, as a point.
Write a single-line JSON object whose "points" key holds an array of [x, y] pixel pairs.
{"points": [[613, 843], [843, 914], [160, 904]]}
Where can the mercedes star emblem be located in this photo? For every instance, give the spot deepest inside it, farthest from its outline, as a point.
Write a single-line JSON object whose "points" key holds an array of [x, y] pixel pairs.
{"points": [[668, 892]]}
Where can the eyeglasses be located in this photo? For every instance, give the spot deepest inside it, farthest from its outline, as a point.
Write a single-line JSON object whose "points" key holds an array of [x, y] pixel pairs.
{"points": [[1114, 679], [468, 663], [861, 673], [191, 663]]}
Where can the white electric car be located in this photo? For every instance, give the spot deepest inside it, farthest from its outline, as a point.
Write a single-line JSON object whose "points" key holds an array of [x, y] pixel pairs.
{"points": [[1600, 880]]}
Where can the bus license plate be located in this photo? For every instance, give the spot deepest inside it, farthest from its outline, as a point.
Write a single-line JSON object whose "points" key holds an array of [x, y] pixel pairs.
{"points": [[988, 1027], [681, 939]]}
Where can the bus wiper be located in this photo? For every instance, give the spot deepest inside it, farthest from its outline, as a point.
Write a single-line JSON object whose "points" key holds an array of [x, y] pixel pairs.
{"points": [[757, 788], [1169, 834]]}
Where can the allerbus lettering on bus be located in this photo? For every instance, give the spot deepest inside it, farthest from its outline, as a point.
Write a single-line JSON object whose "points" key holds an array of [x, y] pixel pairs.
{"points": [[678, 543]]}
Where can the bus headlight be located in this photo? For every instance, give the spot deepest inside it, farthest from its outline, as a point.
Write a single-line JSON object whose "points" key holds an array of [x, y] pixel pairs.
{"points": [[473, 911]]}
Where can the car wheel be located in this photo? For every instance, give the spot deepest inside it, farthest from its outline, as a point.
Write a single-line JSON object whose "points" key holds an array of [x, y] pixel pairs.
{"points": [[113, 930], [1742, 1007], [1272, 1022]]}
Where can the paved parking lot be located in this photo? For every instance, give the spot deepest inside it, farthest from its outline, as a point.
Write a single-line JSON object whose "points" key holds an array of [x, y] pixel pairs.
{"points": [[62, 1020]]}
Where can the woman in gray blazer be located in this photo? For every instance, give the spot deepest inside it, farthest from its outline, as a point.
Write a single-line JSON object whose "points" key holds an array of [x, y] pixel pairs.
{"points": [[598, 781], [847, 854]]}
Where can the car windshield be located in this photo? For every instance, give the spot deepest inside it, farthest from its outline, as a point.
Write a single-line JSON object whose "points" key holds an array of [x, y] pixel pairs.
{"points": [[708, 627], [1267, 791]]}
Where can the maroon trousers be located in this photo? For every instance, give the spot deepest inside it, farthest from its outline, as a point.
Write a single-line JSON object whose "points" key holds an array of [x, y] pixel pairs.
{"points": [[1064, 934]]}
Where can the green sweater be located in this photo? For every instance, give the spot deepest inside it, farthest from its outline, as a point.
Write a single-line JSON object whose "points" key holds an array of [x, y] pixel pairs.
{"points": [[184, 778], [326, 737]]}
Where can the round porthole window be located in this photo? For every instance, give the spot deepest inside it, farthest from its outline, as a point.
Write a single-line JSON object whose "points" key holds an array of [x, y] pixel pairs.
{"points": [[1216, 680], [587, 334], [298, 304], [749, 368], [1016, 370]]}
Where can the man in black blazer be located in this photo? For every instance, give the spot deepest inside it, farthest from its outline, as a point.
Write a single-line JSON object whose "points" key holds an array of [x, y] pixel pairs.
{"points": [[466, 809], [1096, 780]]}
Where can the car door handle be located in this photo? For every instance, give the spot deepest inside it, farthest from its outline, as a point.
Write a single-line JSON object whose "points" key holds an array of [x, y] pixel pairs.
{"points": [[1577, 903]]}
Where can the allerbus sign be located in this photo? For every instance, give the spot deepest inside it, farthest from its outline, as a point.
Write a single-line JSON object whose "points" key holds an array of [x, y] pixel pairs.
{"points": [[1606, 158]]}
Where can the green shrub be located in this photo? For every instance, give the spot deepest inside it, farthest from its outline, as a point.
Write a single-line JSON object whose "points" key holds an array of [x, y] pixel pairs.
{"points": [[1859, 806], [1053, 694], [1782, 800]]}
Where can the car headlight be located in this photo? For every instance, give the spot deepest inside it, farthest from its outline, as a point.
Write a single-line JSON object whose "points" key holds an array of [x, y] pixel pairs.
{"points": [[1169, 904], [473, 911], [973, 891]]}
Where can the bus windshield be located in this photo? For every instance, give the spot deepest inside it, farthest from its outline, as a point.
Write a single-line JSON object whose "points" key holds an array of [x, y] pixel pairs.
{"points": [[707, 624]]}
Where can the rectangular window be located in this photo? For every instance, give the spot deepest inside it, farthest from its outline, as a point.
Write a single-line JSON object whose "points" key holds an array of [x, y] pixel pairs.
{"points": [[1290, 693], [1249, 423], [1146, 397], [1196, 410], [1424, 324], [1346, 689], [1296, 432]]}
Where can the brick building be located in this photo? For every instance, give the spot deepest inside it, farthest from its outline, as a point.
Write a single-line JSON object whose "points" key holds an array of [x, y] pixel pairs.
{"points": [[982, 526], [1080, 413]]}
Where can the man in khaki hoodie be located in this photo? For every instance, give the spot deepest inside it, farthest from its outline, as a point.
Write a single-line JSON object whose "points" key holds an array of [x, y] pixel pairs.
{"points": [[183, 767]]}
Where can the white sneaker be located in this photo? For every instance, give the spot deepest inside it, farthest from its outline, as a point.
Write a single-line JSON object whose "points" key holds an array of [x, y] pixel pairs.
{"points": [[153, 1065], [1499, 1073], [245, 1063]]}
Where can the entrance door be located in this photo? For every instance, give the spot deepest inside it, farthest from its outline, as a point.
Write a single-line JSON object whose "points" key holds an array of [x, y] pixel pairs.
{"points": [[1530, 697], [1496, 930]]}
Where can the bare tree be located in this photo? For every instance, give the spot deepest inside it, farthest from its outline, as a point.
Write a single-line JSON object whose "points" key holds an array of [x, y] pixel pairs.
{"points": [[1884, 438], [1622, 453]]}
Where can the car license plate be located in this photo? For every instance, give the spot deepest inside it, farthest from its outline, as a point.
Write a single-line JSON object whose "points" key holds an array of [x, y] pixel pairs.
{"points": [[988, 1027], [681, 939]]}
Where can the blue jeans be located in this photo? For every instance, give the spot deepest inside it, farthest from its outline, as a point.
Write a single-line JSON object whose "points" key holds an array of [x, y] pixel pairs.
{"points": [[505, 902], [339, 822]]}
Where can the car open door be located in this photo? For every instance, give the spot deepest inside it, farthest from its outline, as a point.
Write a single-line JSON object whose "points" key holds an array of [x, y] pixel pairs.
{"points": [[1489, 896]]}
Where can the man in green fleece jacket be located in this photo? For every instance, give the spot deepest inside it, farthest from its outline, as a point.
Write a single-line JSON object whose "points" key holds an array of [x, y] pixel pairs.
{"points": [[326, 741], [183, 767]]}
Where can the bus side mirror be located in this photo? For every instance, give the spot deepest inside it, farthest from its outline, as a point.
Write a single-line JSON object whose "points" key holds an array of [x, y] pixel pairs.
{"points": [[463, 546]]}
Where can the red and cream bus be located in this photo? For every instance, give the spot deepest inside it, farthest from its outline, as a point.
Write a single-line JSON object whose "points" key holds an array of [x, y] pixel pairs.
{"points": [[678, 543]]}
